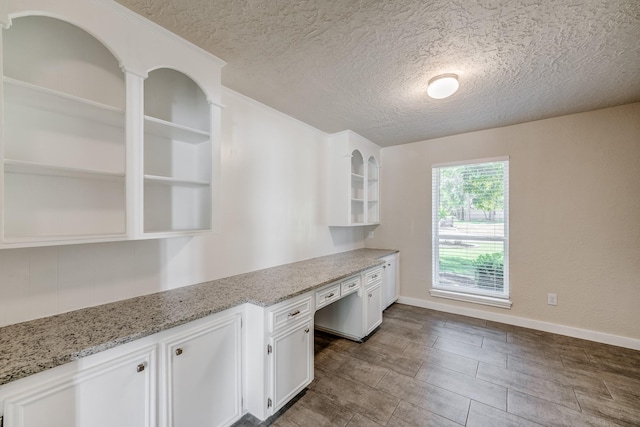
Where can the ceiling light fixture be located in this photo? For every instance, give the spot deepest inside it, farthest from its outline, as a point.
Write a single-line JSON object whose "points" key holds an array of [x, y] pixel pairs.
{"points": [[442, 86]]}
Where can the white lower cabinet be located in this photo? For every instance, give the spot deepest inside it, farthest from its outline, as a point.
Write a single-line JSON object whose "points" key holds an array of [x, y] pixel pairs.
{"points": [[390, 280], [291, 362], [204, 375], [190, 375], [118, 392], [278, 353], [374, 307]]}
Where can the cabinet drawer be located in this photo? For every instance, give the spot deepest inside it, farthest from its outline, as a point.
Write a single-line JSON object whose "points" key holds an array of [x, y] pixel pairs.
{"points": [[327, 295], [290, 313], [373, 276], [350, 285]]}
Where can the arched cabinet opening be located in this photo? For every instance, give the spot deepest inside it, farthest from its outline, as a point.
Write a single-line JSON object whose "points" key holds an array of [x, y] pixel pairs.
{"points": [[177, 154], [357, 187], [373, 191], [63, 145]]}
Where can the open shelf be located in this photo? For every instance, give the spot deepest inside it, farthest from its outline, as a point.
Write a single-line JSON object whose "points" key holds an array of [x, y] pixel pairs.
{"points": [[167, 180], [32, 168], [170, 130], [177, 155], [20, 93]]}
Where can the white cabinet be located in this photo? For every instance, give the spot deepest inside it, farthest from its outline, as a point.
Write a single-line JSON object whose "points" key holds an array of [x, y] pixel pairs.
{"points": [[291, 362], [373, 299], [63, 144], [391, 280], [190, 375], [278, 352], [177, 154], [354, 180], [203, 374], [104, 136], [118, 392], [374, 307]]}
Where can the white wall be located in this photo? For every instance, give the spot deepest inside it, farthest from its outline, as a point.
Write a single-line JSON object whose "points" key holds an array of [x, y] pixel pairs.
{"points": [[274, 192], [574, 218]]}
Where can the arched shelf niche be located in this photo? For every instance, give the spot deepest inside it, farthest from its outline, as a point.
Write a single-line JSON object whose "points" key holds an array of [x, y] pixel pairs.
{"points": [[177, 154], [373, 191], [63, 145], [357, 187]]}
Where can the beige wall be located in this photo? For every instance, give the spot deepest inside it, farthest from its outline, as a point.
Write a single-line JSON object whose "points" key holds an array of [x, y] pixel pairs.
{"points": [[575, 216]]}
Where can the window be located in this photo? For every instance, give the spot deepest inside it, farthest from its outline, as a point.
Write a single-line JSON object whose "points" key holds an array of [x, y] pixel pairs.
{"points": [[470, 223]]}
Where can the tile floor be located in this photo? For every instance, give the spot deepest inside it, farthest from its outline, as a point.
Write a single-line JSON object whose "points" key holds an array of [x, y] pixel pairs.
{"points": [[428, 368]]}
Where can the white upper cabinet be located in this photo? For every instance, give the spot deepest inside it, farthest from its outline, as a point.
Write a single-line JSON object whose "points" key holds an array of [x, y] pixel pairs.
{"points": [[354, 180], [177, 154], [110, 125], [64, 134]]}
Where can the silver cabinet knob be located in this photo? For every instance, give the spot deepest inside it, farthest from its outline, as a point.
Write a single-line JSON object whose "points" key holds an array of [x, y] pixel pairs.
{"points": [[370, 295], [140, 367], [178, 351], [306, 330]]}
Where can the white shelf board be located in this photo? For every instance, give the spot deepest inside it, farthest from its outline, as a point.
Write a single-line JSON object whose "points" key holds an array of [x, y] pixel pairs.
{"points": [[23, 93], [42, 240], [167, 180], [31, 168], [356, 176], [165, 129], [158, 234], [357, 200]]}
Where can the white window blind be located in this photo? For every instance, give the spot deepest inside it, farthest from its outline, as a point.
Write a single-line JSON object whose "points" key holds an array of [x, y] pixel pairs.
{"points": [[470, 223]]}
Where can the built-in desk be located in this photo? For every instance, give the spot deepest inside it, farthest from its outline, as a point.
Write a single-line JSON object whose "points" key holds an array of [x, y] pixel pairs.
{"points": [[151, 332]]}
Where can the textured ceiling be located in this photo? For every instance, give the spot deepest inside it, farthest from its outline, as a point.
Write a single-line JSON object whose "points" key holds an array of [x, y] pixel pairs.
{"points": [[364, 65]]}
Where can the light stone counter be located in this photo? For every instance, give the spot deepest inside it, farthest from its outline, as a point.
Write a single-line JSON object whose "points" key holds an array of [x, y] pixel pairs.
{"points": [[31, 347]]}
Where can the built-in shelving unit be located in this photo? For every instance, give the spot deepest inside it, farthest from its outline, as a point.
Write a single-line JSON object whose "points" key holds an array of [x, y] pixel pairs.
{"points": [[357, 188], [177, 154], [354, 186], [110, 126], [373, 192], [64, 134]]}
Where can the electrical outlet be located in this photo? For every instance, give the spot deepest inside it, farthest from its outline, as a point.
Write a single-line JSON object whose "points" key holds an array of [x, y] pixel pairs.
{"points": [[371, 234], [552, 299]]}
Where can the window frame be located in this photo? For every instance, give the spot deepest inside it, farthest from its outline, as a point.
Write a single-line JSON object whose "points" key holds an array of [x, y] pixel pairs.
{"points": [[478, 296]]}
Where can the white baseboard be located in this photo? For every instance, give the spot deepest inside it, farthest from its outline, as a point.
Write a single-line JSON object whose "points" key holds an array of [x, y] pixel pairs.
{"points": [[555, 328]]}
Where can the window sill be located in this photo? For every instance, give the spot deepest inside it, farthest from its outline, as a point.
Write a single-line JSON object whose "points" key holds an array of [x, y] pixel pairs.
{"points": [[477, 299]]}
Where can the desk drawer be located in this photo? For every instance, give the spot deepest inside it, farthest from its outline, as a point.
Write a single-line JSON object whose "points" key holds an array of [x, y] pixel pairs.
{"points": [[327, 295], [373, 276], [350, 285], [290, 313]]}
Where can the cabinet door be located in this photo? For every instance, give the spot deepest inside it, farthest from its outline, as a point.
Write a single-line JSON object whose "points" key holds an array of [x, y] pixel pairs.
{"points": [[291, 363], [390, 284], [204, 378], [374, 307], [117, 393]]}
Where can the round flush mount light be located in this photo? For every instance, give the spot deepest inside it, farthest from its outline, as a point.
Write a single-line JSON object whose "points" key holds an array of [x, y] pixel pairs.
{"points": [[442, 86]]}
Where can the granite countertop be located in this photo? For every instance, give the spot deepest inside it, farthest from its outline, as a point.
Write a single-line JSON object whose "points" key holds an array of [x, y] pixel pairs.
{"points": [[31, 347]]}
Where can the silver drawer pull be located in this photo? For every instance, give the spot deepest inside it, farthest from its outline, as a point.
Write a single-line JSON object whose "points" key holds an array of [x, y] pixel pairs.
{"points": [[330, 295], [295, 313], [178, 351], [140, 367], [375, 276], [352, 285], [306, 330]]}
